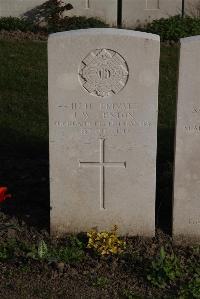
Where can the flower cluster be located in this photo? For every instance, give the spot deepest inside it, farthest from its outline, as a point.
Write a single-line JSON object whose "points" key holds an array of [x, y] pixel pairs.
{"points": [[3, 194], [106, 243]]}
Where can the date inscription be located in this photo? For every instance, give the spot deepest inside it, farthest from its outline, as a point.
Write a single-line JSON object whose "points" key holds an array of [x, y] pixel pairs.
{"points": [[101, 119]]}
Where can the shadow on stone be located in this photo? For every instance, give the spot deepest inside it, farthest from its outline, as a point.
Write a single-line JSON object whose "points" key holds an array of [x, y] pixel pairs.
{"points": [[42, 13]]}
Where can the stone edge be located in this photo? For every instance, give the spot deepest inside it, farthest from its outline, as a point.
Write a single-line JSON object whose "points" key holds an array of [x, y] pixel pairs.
{"points": [[106, 31], [195, 38]]}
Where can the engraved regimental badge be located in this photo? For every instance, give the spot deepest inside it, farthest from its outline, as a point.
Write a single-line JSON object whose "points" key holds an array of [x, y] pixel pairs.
{"points": [[103, 73]]}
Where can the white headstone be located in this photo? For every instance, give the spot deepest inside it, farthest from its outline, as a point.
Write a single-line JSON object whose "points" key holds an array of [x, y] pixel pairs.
{"points": [[105, 10], [140, 12], [16, 8], [103, 101], [186, 211]]}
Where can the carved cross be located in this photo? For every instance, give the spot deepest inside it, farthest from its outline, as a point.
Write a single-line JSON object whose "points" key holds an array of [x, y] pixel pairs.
{"points": [[102, 164]]}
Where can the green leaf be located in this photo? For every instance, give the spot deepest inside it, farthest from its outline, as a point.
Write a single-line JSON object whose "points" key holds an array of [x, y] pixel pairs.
{"points": [[42, 250], [162, 253]]}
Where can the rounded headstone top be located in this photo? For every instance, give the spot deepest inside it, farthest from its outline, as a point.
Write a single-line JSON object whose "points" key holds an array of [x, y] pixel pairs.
{"points": [[107, 31]]}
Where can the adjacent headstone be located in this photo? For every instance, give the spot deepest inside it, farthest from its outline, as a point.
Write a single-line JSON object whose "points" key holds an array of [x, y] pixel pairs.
{"points": [[16, 8], [103, 101], [134, 12], [105, 10], [192, 8], [186, 210], [140, 12]]}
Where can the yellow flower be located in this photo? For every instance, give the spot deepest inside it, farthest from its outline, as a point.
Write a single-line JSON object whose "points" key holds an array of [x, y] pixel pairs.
{"points": [[105, 243]]}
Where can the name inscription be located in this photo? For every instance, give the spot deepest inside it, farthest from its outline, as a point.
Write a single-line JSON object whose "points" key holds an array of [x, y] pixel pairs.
{"points": [[101, 119]]}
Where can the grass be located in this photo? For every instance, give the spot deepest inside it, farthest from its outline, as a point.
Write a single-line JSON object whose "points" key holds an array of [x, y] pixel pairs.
{"points": [[167, 86], [23, 95]]}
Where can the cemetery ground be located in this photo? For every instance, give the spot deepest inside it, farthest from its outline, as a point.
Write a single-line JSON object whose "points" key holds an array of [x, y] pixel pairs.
{"points": [[32, 265]]}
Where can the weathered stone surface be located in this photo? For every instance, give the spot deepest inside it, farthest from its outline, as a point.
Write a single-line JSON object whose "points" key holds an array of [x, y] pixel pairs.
{"points": [[103, 97], [16, 8], [139, 12], [186, 210], [104, 9]]}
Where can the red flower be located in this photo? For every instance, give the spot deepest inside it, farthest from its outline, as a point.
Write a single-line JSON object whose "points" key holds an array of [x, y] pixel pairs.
{"points": [[3, 195]]}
